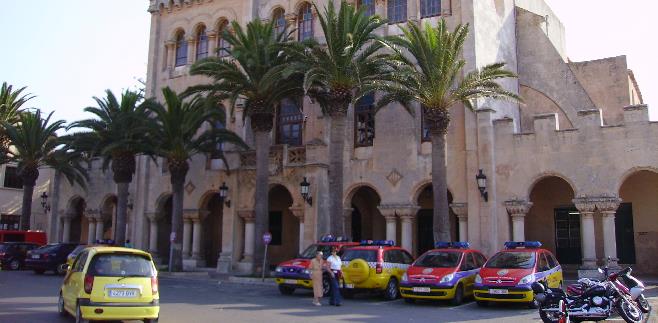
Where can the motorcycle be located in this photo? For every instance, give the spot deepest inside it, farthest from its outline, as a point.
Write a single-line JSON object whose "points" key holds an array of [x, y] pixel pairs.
{"points": [[625, 283], [597, 302]]}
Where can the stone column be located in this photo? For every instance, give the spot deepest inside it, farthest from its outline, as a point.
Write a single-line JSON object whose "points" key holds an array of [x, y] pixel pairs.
{"points": [[170, 47], [212, 43], [187, 236], [461, 210], [391, 221], [586, 208], [608, 206], [191, 50], [100, 225], [249, 234], [66, 235], [196, 236], [347, 220], [153, 233], [91, 231], [298, 212], [517, 210]]}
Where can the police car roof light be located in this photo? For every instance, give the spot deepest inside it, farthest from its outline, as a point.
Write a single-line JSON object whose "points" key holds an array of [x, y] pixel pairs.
{"points": [[327, 238], [388, 243], [522, 244], [449, 245]]}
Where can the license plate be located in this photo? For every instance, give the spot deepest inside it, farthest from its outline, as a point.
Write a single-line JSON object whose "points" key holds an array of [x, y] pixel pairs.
{"points": [[421, 289], [35, 256], [290, 281], [498, 291], [122, 293], [349, 285]]}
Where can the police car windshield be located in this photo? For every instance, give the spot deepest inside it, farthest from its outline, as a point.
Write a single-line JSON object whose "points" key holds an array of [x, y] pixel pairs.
{"points": [[512, 260], [367, 255], [310, 252], [439, 259]]}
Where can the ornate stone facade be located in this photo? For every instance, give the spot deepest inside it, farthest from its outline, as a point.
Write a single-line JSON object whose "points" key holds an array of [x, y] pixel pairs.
{"points": [[580, 151]]}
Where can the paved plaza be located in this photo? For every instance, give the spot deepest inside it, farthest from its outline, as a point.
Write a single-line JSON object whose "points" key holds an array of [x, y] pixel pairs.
{"points": [[29, 298]]}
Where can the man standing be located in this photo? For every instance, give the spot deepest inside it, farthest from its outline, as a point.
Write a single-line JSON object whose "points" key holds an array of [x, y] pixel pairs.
{"points": [[334, 265]]}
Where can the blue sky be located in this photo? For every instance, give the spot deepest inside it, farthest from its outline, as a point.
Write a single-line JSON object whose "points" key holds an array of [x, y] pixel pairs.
{"points": [[68, 51]]}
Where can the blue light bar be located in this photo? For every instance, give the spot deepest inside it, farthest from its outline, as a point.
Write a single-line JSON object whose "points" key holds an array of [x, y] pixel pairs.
{"points": [[327, 238], [522, 244], [452, 245], [388, 243]]}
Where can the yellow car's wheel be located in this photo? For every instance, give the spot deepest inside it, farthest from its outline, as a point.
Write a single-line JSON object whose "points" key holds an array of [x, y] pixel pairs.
{"points": [[357, 270]]}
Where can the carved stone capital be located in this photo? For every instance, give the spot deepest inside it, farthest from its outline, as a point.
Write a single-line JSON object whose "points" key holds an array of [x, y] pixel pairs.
{"points": [[607, 204], [518, 207], [152, 216], [298, 213], [192, 214], [460, 209], [586, 205], [247, 215], [91, 214]]}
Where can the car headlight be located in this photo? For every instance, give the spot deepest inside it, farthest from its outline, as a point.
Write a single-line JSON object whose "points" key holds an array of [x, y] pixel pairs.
{"points": [[278, 269], [527, 279], [478, 279], [307, 272], [447, 278], [405, 277]]}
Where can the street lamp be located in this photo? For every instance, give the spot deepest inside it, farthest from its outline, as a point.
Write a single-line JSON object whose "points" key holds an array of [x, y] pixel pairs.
{"points": [[304, 188], [44, 202], [223, 194], [482, 185]]}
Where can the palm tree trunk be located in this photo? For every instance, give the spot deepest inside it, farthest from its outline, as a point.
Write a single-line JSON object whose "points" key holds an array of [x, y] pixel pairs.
{"points": [[122, 212], [441, 220], [261, 223], [177, 185], [26, 210], [336, 150], [54, 209]]}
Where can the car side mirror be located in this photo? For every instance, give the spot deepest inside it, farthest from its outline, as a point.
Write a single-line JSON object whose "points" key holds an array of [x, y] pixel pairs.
{"points": [[66, 267]]}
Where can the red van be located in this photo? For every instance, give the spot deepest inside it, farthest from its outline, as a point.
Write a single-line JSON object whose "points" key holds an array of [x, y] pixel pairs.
{"points": [[38, 237]]}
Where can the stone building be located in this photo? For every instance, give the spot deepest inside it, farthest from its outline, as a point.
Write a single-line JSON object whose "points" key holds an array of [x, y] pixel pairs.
{"points": [[575, 167]]}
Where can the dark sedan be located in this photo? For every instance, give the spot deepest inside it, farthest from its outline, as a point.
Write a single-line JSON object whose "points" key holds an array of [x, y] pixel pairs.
{"points": [[49, 257], [12, 254]]}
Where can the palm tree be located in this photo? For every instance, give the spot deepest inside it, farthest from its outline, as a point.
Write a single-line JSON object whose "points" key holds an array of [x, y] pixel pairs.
{"points": [[116, 135], [33, 145], [259, 75], [176, 134], [433, 78], [10, 107], [349, 66], [66, 162]]}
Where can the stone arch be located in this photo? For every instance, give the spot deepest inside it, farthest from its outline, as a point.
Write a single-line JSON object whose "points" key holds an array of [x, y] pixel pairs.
{"points": [[636, 219], [365, 221], [632, 172], [267, 12], [541, 103], [423, 235], [352, 189], [420, 187], [552, 209], [108, 211], [77, 222], [298, 6], [198, 27], [212, 207], [283, 224], [226, 14], [539, 177], [294, 192], [163, 219], [177, 31]]}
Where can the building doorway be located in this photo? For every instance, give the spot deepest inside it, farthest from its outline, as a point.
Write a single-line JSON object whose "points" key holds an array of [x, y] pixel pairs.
{"points": [[164, 228], [625, 234], [367, 222], [425, 221], [212, 230], [283, 226], [567, 235]]}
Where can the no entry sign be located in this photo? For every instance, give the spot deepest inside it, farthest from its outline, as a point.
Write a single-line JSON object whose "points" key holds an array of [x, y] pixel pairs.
{"points": [[267, 238]]}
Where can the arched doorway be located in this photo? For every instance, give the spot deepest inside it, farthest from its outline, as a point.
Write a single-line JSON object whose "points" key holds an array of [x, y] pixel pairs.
{"points": [[78, 222], [425, 221], [636, 221], [212, 229], [553, 220], [367, 222], [164, 228], [108, 216], [283, 226]]}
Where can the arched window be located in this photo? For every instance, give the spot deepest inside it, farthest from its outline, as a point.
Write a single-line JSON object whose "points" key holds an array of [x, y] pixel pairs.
{"points": [[181, 49], [364, 121], [397, 11], [279, 18], [305, 22], [369, 5], [430, 8], [201, 43], [290, 123], [222, 45]]}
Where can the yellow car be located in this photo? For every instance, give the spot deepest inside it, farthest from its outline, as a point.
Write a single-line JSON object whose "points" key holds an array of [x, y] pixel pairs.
{"points": [[111, 283], [375, 266]]}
